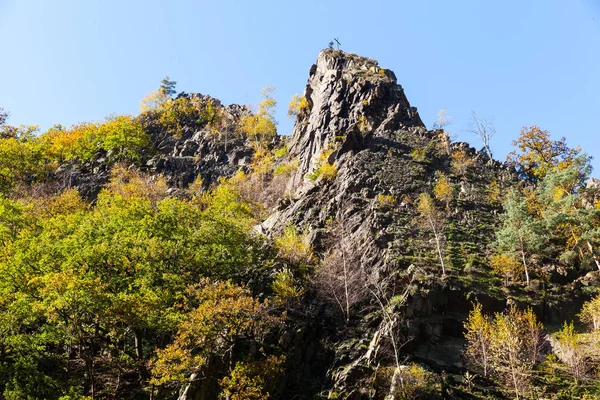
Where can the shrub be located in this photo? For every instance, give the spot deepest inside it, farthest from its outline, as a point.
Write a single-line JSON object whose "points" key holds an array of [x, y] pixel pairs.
{"points": [[284, 286], [324, 169], [292, 247], [297, 105], [385, 201]]}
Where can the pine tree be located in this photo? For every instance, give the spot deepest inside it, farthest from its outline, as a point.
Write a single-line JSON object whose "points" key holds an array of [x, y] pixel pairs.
{"points": [[521, 235]]}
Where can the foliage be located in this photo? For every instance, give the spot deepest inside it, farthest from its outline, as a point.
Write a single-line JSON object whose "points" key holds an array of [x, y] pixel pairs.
{"points": [[507, 347], [122, 136], [248, 381], [21, 160], [323, 168], [261, 126], [479, 338], [505, 265], [224, 315], [461, 162], [284, 286], [536, 153], [590, 314], [297, 105], [168, 86], [572, 350], [521, 236], [385, 201], [443, 190], [292, 247], [77, 283], [154, 100]]}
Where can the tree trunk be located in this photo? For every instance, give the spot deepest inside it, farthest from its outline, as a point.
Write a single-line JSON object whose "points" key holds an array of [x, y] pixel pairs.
{"points": [[593, 255], [137, 337], [525, 265]]}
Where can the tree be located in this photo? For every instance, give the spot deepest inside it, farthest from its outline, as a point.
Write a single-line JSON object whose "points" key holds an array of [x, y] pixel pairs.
{"points": [[225, 315], [479, 338], [574, 225], [521, 236], [167, 86], [261, 126], [536, 153], [297, 105], [3, 116], [590, 313], [506, 347], [432, 219], [340, 277], [390, 295], [461, 162], [505, 265], [572, 351], [515, 348], [443, 120], [156, 99], [443, 190], [484, 129]]}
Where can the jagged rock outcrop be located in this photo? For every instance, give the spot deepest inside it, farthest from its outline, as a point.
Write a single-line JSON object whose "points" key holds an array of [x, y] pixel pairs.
{"points": [[347, 96], [182, 153], [384, 157]]}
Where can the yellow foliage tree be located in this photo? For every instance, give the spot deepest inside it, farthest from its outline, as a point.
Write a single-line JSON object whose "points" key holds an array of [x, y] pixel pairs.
{"points": [[225, 314], [479, 338], [297, 105], [537, 153], [461, 162], [506, 266], [443, 190], [261, 126], [154, 100]]}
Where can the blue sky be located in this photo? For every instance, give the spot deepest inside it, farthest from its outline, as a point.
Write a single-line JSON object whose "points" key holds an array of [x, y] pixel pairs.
{"points": [[522, 62]]}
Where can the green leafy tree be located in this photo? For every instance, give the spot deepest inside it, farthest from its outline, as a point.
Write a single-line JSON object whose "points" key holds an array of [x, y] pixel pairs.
{"points": [[521, 236], [167, 86]]}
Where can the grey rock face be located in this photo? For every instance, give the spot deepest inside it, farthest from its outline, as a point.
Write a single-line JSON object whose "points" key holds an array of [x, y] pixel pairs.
{"points": [[348, 96]]}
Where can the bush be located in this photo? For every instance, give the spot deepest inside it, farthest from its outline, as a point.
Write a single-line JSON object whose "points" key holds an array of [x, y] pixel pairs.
{"points": [[293, 248]]}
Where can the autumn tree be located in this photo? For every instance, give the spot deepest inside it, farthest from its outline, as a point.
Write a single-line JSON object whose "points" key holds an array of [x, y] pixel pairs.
{"points": [[156, 99], [590, 313], [574, 225], [536, 153], [479, 338], [506, 265], [461, 162], [225, 315], [443, 190], [521, 236], [572, 351], [432, 219], [261, 126], [297, 105], [506, 346]]}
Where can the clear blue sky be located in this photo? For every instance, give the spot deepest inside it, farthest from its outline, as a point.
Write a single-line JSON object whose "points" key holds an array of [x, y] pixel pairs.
{"points": [[524, 62]]}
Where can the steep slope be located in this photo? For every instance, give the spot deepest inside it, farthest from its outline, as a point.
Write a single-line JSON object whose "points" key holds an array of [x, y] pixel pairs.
{"points": [[359, 122]]}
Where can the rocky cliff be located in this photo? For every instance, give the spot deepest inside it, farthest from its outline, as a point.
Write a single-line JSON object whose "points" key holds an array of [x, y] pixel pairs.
{"points": [[360, 213]]}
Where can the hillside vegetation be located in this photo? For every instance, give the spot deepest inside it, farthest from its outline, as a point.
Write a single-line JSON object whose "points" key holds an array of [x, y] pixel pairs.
{"points": [[190, 252]]}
